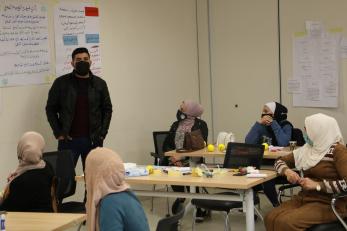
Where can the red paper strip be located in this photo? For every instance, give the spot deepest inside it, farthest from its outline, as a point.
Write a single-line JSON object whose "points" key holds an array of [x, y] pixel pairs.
{"points": [[91, 11]]}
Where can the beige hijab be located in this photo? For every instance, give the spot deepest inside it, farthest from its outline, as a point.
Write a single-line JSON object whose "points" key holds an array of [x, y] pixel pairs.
{"points": [[29, 152], [324, 131], [104, 174]]}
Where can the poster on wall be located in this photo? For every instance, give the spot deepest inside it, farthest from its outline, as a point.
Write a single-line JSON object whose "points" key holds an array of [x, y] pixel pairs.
{"points": [[24, 48], [316, 61], [76, 25]]}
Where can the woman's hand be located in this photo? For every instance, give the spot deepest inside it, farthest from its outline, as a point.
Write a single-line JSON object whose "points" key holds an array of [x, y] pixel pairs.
{"points": [[292, 176], [308, 184], [266, 120], [176, 161]]}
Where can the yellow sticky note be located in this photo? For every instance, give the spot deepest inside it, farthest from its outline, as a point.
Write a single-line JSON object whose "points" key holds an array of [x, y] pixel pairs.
{"points": [[174, 173], [336, 30], [300, 34], [156, 172]]}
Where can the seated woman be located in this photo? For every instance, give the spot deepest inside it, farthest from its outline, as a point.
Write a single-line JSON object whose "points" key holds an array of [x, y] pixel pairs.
{"points": [[29, 186], [272, 125], [322, 161], [110, 203], [187, 120]]}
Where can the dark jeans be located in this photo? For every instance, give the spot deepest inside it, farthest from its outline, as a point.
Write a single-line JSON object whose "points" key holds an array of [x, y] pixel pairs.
{"points": [[79, 146], [269, 190]]}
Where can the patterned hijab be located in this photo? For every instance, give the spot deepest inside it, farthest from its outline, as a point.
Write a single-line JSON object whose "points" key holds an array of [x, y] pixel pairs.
{"points": [[104, 174], [324, 131], [193, 110], [29, 152]]}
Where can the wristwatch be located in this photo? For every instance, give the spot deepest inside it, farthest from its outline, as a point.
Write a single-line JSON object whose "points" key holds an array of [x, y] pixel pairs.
{"points": [[318, 187]]}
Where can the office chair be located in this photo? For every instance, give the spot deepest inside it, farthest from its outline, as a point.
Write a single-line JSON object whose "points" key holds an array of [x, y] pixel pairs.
{"points": [[237, 155], [158, 139], [339, 225], [171, 223], [65, 183]]}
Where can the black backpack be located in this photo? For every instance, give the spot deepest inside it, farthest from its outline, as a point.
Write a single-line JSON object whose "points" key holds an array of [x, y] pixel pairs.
{"points": [[298, 136]]}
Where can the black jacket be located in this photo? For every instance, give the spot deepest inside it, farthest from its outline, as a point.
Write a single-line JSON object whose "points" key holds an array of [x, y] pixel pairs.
{"points": [[30, 192], [169, 143], [62, 100]]}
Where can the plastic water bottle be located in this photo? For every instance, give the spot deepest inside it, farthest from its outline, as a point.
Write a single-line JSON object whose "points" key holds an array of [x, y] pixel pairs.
{"points": [[2, 222]]}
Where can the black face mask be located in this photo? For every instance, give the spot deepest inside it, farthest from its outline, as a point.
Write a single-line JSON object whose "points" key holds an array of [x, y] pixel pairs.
{"points": [[82, 68], [180, 115]]}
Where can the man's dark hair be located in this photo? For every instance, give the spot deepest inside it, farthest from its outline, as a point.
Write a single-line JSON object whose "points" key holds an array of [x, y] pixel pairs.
{"points": [[79, 51]]}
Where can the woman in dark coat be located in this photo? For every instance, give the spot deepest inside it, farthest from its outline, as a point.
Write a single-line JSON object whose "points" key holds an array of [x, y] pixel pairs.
{"points": [[188, 119], [29, 186]]}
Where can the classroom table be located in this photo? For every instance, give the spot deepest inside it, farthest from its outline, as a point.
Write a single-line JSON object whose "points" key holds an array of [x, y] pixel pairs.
{"points": [[241, 184], [216, 153], [27, 221]]}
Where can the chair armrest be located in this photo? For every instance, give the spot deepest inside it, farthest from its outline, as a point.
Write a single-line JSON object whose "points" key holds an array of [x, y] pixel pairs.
{"points": [[155, 155], [284, 187], [340, 195], [333, 202], [288, 186]]}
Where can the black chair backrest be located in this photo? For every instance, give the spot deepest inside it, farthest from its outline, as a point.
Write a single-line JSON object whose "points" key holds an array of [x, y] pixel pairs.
{"points": [[298, 136], [64, 169], [243, 155], [159, 138], [170, 223]]}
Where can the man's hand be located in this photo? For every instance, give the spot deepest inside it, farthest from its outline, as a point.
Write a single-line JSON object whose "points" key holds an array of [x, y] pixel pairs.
{"points": [[308, 184], [292, 176]]}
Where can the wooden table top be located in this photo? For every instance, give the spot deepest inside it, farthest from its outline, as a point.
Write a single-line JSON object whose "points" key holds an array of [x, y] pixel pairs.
{"points": [[217, 153], [226, 180], [28, 221]]}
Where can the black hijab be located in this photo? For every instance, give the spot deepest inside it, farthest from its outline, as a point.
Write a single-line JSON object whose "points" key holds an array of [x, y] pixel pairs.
{"points": [[280, 112], [280, 115]]}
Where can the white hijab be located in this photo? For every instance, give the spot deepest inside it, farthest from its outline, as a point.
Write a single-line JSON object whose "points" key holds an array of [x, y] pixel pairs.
{"points": [[271, 106], [324, 131]]}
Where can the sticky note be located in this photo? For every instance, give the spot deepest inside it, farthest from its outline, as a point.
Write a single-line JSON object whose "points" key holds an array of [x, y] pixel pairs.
{"points": [[91, 11], [156, 172], [92, 38], [336, 30], [70, 40], [174, 173], [300, 34]]}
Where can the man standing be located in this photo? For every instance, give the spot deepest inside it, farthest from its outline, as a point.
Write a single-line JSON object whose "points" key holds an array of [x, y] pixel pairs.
{"points": [[79, 108]]}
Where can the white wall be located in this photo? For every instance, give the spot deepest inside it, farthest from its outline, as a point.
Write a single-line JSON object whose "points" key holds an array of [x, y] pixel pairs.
{"points": [[150, 62], [244, 62], [333, 14], [149, 58]]}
